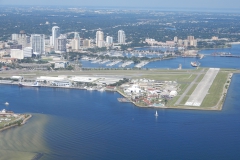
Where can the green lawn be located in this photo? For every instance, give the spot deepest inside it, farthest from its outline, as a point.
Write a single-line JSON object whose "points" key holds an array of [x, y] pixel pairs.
{"points": [[215, 91]]}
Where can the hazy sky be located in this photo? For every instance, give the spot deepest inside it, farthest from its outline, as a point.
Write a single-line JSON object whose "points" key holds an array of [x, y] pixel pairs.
{"points": [[133, 3]]}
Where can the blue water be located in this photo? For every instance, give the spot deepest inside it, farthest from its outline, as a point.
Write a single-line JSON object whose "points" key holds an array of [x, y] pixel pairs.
{"points": [[207, 61], [94, 125]]}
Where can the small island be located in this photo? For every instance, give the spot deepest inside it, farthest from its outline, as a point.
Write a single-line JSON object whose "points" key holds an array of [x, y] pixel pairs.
{"points": [[9, 119]]}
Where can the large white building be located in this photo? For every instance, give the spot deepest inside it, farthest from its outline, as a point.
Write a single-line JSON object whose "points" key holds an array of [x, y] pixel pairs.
{"points": [[109, 40], [61, 44], [121, 37], [55, 35], [100, 39], [16, 53], [38, 43], [27, 52], [61, 64]]}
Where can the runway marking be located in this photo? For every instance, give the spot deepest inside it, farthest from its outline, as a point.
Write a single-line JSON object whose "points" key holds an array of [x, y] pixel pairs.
{"points": [[202, 88]]}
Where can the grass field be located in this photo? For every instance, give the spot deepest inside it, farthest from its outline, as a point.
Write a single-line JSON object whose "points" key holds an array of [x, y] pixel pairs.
{"points": [[215, 91], [3, 122]]}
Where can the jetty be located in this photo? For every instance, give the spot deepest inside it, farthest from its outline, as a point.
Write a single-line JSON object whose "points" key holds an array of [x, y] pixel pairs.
{"points": [[141, 64], [114, 63], [126, 64]]}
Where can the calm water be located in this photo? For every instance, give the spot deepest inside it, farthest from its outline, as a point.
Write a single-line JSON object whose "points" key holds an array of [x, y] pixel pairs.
{"points": [[207, 61], [79, 124]]}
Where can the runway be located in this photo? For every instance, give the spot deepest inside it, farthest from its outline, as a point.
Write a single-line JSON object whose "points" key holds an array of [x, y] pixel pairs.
{"points": [[202, 88]]}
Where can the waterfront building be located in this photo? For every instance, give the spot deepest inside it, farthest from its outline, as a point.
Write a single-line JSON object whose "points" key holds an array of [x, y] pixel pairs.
{"points": [[62, 83], [55, 35], [38, 43], [61, 44], [100, 39], [27, 52], [62, 64], [121, 37], [109, 40], [16, 53]]}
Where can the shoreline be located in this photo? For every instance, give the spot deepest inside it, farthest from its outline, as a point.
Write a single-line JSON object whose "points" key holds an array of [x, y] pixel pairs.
{"points": [[14, 125], [217, 107]]}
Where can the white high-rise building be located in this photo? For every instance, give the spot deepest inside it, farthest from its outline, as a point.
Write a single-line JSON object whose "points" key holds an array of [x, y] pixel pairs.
{"points": [[61, 44], [121, 37], [27, 52], [99, 39], [109, 40], [38, 43], [76, 42], [55, 35]]}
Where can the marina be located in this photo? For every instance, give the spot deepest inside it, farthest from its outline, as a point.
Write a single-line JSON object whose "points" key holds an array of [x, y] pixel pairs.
{"points": [[126, 64], [141, 64], [114, 63]]}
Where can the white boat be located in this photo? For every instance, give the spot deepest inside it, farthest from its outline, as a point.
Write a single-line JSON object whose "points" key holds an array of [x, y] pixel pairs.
{"points": [[6, 103], [35, 84], [195, 64], [156, 114]]}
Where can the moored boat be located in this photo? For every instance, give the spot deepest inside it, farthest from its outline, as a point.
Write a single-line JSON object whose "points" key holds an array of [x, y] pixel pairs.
{"points": [[195, 64], [35, 84]]}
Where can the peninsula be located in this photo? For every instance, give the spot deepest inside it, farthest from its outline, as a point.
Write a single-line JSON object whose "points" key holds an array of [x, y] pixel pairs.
{"points": [[9, 119], [200, 89]]}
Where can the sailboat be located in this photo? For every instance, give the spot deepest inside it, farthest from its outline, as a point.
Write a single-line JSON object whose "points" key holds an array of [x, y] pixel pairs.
{"points": [[156, 114]]}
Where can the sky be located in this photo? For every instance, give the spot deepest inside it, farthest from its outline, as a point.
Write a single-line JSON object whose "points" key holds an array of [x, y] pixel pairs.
{"points": [[208, 4]]}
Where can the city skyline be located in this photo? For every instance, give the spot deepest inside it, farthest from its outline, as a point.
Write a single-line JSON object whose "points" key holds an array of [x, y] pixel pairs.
{"points": [[231, 4]]}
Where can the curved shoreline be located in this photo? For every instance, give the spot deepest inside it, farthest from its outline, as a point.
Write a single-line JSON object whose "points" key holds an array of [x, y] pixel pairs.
{"points": [[14, 125]]}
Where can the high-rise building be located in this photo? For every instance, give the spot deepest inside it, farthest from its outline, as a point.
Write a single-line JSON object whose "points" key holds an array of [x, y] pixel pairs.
{"points": [[99, 39], [55, 35], [21, 38], [109, 40], [121, 37], [27, 52], [76, 42], [38, 43], [61, 44]]}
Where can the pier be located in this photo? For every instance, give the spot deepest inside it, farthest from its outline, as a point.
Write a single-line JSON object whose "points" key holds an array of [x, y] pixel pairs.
{"points": [[126, 64]]}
